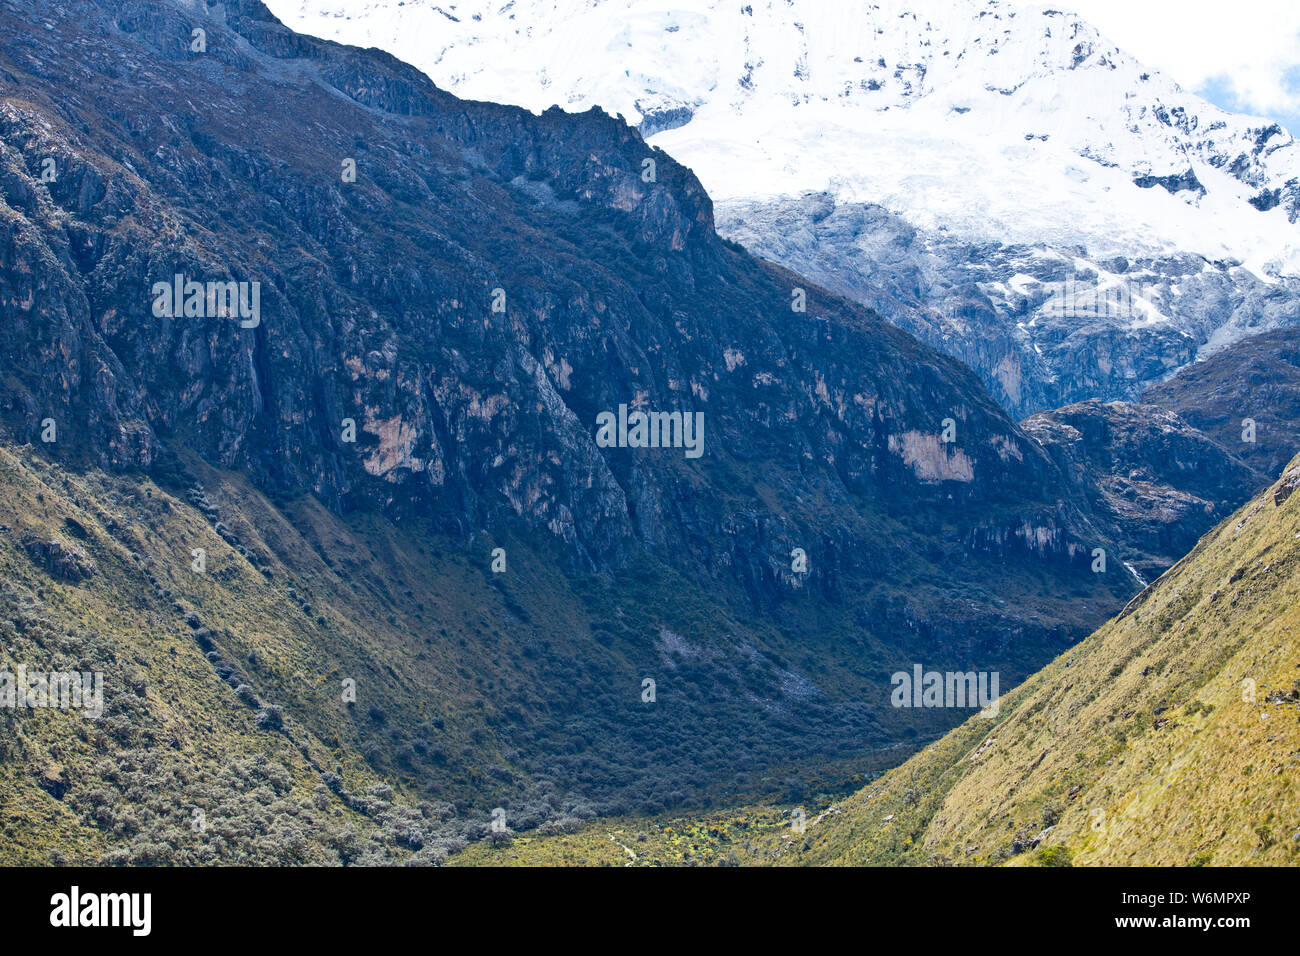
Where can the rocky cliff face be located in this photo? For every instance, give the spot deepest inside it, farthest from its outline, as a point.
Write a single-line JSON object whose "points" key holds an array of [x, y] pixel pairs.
{"points": [[1246, 397], [1148, 472], [486, 287]]}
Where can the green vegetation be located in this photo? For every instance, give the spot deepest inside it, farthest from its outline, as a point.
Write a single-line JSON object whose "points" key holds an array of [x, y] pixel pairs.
{"points": [[1168, 737], [228, 735], [1055, 856]]}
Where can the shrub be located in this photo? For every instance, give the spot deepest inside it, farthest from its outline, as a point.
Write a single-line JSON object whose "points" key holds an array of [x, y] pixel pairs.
{"points": [[562, 825], [1055, 856]]}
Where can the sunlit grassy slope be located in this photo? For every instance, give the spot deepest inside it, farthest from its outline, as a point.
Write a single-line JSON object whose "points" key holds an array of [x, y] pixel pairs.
{"points": [[182, 766]]}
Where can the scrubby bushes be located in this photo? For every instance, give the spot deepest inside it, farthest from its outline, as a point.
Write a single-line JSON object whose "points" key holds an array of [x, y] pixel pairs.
{"points": [[1055, 856], [270, 717]]}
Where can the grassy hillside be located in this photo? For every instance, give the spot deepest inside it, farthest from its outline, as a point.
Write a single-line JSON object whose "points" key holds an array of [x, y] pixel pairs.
{"points": [[189, 762]]}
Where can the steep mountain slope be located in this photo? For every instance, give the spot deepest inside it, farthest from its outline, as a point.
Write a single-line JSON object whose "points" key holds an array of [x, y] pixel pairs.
{"points": [[1256, 380], [377, 303], [1168, 737], [1025, 195], [825, 534]]}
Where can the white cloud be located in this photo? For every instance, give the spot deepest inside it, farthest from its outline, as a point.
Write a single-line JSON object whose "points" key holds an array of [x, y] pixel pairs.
{"points": [[1246, 52]]}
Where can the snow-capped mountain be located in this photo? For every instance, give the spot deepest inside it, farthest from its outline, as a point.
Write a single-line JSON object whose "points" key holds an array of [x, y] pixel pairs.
{"points": [[1065, 220]]}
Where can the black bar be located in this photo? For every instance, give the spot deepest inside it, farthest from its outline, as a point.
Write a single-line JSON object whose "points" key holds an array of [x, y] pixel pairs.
{"points": [[380, 906]]}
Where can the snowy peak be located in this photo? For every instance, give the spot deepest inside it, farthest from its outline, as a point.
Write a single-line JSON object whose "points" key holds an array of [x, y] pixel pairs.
{"points": [[982, 119], [616, 54], [1000, 180]]}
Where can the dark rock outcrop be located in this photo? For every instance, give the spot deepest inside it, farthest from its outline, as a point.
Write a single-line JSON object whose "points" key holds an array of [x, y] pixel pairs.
{"points": [[61, 559], [1173, 183], [1246, 396], [1152, 478]]}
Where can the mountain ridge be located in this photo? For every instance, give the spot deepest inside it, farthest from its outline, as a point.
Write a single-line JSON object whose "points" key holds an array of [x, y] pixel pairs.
{"points": [[979, 162]]}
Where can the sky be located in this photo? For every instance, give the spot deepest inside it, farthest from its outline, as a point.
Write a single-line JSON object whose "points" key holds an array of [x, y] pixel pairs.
{"points": [[1242, 55]]}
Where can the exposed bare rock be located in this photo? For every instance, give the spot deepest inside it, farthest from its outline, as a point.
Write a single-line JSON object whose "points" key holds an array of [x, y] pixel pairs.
{"points": [[61, 558]]}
